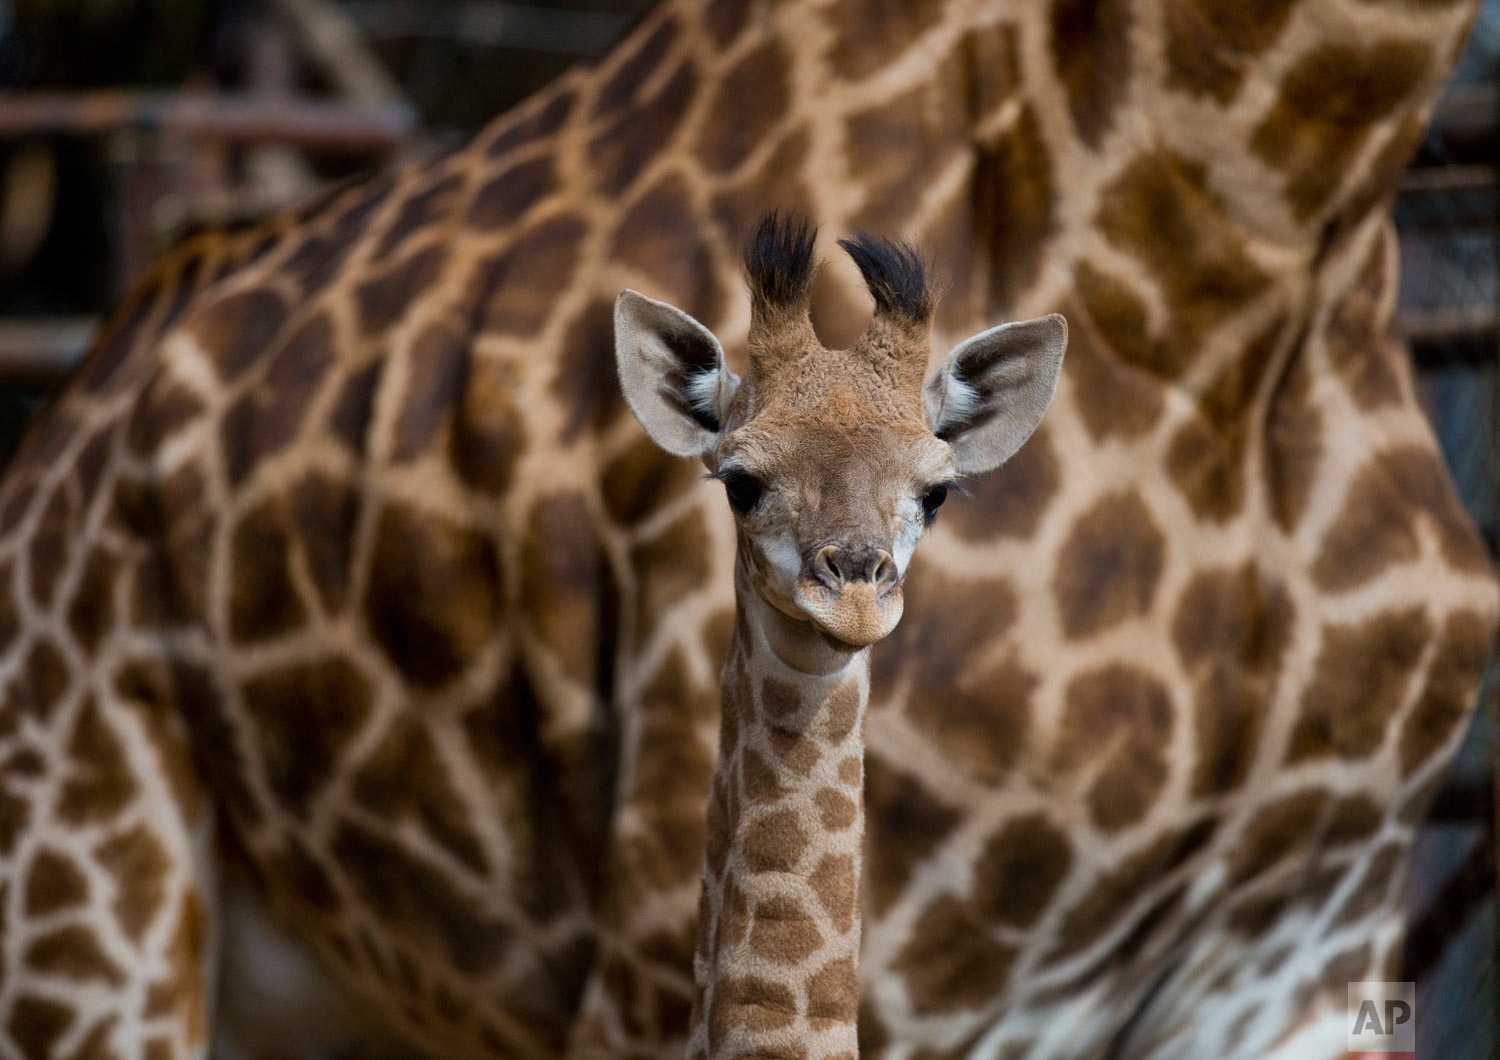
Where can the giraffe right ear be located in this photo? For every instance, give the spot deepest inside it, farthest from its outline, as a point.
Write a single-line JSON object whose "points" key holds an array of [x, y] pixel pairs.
{"points": [[672, 374], [993, 388]]}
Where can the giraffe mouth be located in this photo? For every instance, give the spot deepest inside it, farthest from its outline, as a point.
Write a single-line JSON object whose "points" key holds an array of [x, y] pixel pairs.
{"points": [[853, 617]]}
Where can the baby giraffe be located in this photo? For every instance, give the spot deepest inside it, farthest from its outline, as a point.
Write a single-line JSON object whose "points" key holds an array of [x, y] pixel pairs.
{"points": [[834, 462]]}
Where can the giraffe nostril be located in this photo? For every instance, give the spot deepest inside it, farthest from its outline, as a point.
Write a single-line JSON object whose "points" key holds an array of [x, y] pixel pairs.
{"points": [[826, 567], [837, 567]]}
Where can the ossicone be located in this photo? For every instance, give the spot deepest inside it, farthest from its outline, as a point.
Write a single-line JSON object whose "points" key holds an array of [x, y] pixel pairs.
{"points": [[780, 265], [898, 278]]}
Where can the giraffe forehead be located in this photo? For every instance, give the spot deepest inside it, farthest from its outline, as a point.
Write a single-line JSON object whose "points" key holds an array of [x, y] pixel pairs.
{"points": [[870, 382], [825, 452]]}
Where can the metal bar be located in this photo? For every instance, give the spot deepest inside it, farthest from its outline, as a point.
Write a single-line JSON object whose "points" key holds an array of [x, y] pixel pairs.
{"points": [[1450, 338], [43, 350], [324, 124], [492, 23], [1429, 180], [1467, 113]]}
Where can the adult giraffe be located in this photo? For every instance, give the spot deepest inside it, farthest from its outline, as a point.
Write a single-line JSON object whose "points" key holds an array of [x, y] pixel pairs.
{"points": [[342, 531]]}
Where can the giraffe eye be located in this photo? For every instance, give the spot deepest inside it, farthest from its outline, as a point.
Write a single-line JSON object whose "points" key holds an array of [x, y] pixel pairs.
{"points": [[932, 500], [744, 491]]}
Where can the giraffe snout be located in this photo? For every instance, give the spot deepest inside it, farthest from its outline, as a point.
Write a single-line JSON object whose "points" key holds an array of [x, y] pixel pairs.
{"points": [[852, 594]]}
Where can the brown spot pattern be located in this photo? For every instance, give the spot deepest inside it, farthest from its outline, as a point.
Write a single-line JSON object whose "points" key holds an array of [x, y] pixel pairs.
{"points": [[434, 594], [783, 932], [906, 823], [774, 842], [528, 123], [870, 36], [1161, 211], [567, 589], [836, 811], [641, 132], [438, 359], [1019, 870], [833, 994], [237, 329], [749, 1004], [139, 865], [1358, 340], [1360, 679], [383, 299], [1014, 174], [643, 479], [976, 716], [35, 1025], [1208, 44], [1117, 724], [586, 385], [488, 439], [836, 884], [1330, 99], [1118, 888], [263, 599], [73, 952], [304, 717], [1294, 445], [668, 567], [1377, 527], [748, 102], [41, 682], [405, 776], [1109, 565], [1011, 500], [1091, 49], [1448, 694], [951, 962], [1279, 830], [522, 284], [1206, 457], [418, 901], [54, 882], [778, 179], [267, 417], [660, 235], [99, 781], [1115, 396], [1231, 628], [324, 511]]}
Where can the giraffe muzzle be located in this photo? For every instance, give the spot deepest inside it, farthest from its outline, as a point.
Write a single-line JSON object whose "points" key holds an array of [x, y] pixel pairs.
{"points": [[851, 594]]}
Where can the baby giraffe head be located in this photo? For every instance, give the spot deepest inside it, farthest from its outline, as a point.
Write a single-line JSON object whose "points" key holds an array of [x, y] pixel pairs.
{"points": [[834, 461]]}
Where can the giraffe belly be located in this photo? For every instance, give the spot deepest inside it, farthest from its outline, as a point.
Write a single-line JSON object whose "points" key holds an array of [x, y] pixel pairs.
{"points": [[267, 969]]}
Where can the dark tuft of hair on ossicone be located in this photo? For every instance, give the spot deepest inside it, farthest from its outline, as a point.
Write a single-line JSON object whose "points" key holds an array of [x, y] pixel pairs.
{"points": [[779, 261], [898, 278]]}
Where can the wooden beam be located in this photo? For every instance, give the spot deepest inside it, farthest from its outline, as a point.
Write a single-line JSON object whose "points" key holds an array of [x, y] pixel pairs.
{"points": [[332, 42]]}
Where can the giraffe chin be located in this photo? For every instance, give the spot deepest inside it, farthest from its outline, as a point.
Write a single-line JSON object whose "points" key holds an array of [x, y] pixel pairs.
{"points": [[854, 617]]}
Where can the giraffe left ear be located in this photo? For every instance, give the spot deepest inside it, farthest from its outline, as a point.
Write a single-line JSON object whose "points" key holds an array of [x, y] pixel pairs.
{"points": [[993, 388], [672, 374]]}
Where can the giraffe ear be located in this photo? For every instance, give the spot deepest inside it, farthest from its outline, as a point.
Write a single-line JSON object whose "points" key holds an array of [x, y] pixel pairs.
{"points": [[672, 374], [993, 388]]}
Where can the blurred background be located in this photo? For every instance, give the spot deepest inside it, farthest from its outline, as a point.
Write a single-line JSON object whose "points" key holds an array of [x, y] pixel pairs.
{"points": [[127, 124]]}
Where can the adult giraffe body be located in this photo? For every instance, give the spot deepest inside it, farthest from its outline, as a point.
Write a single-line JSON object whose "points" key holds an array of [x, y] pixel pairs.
{"points": [[342, 530]]}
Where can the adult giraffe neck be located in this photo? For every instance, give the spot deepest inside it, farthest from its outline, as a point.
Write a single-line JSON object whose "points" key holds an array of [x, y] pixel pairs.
{"points": [[777, 956]]}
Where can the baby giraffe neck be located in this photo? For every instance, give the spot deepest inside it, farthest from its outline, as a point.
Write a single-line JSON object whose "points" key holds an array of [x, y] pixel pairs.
{"points": [[778, 932]]}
